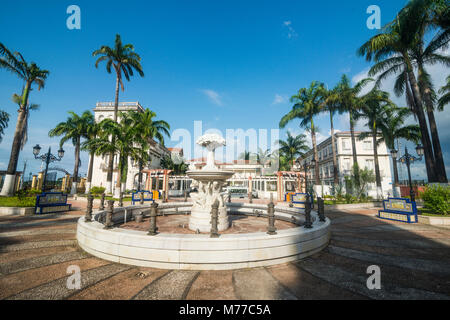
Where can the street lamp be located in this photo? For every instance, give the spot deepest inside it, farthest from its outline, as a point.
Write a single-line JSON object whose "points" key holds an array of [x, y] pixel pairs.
{"points": [[408, 159], [307, 166], [48, 158]]}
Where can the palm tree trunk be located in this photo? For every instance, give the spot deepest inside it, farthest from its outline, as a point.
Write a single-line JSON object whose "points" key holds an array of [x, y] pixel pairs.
{"points": [[426, 142], [333, 148], [75, 167], [89, 175], [377, 164], [316, 155], [355, 156], [118, 186], [111, 154], [10, 178]]}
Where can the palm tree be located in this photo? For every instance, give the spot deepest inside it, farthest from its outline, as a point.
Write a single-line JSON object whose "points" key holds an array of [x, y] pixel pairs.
{"points": [[31, 74], [394, 128], [124, 60], [308, 104], [92, 132], [74, 129], [390, 52], [291, 149], [445, 92], [149, 129], [245, 155], [4, 118], [349, 99], [375, 104], [332, 106]]}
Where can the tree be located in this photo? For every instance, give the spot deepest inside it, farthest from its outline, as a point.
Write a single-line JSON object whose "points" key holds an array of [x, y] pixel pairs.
{"points": [[375, 105], [349, 99], [308, 104], [390, 51], [358, 188], [246, 155], [290, 150], [74, 129], [31, 75], [124, 60], [394, 128], [92, 132], [4, 118], [445, 95], [177, 166]]}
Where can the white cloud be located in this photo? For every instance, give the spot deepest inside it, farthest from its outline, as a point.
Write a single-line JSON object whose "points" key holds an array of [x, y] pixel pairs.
{"points": [[213, 96], [291, 33], [279, 99]]}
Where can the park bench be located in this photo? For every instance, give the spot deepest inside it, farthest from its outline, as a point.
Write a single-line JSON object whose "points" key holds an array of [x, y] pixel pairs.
{"points": [[50, 202], [298, 199], [136, 196], [399, 209]]}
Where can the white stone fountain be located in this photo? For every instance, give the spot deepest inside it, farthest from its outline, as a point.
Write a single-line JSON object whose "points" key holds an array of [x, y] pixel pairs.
{"points": [[209, 181]]}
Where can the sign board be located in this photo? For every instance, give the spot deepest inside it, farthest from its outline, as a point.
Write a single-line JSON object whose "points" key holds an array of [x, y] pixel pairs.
{"points": [[136, 196], [399, 209], [49, 202]]}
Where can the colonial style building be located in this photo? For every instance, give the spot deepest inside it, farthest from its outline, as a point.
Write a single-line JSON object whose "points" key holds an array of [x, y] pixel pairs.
{"points": [[105, 110], [365, 155]]}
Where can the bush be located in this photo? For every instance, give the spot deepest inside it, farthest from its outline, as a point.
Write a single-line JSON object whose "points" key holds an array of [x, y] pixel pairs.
{"points": [[97, 190], [436, 198]]}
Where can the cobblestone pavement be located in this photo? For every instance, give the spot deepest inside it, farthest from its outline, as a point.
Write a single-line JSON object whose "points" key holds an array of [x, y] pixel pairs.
{"points": [[35, 253]]}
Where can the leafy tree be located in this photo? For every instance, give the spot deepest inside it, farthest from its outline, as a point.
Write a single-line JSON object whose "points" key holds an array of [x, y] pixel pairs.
{"points": [[31, 75], [290, 150], [4, 118], [359, 188], [445, 92]]}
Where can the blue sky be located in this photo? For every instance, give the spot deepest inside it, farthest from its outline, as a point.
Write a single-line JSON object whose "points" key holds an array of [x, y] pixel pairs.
{"points": [[231, 64]]}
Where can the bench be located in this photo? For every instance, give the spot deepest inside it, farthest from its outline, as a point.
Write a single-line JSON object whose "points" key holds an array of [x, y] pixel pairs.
{"points": [[136, 196], [50, 202], [399, 209], [298, 199]]}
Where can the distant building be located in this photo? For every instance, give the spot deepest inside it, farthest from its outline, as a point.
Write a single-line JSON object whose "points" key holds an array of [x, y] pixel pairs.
{"points": [[364, 150], [105, 110]]}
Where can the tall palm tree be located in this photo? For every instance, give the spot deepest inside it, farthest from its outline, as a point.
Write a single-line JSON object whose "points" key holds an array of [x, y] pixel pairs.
{"points": [[124, 60], [349, 99], [376, 103], [393, 128], [390, 52], [308, 104], [93, 129], [290, 149], [4, 118], [445, 95], [74, 129], [31, 75], [332, 106]]}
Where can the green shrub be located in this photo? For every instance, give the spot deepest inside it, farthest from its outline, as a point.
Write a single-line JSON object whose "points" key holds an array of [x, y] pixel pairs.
{"points": [[97, 190], [436, 198]]}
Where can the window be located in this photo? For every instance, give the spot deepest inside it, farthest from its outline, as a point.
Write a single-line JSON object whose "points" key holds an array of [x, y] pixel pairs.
{"points": [[346, 163], [368, 145], [369, 164], [346, 144]]}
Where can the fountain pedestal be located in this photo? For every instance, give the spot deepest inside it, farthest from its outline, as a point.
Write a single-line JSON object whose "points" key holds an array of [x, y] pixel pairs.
{"points": [[210, 181]]}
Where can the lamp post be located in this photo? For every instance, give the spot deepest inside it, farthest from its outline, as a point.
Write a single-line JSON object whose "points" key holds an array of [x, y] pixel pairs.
{"points": [[408, 159], [48, 158], [307, 166]]}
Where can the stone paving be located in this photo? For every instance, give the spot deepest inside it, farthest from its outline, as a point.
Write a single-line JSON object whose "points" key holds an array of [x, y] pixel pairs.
{"points": [[35, 253]]}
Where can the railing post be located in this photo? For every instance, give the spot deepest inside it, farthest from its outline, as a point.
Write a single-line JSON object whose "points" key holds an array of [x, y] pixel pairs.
{"points": [[250, 197], [109, 212], [185, 196], [102, 202], [229, 197], [308, 221], [141, 198], [271, 230], [153, 230], [121, 199], [163, 193], [214, 219], [90, 203], [321, 209]]}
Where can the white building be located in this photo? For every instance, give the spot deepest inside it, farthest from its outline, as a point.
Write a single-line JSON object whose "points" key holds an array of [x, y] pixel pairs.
{"points": [[365, 156], [105, 110]]}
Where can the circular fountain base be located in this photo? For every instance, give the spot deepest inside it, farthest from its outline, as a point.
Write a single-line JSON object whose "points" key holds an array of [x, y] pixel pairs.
{"points": [[201, 220]]}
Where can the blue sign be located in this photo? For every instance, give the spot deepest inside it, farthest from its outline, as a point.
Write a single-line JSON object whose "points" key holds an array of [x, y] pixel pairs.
{"points": [[399, 209], [136, 196], [50, 202]]}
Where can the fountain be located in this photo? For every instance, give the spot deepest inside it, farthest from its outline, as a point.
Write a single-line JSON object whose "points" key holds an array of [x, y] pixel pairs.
{"points": [[209, 181]]}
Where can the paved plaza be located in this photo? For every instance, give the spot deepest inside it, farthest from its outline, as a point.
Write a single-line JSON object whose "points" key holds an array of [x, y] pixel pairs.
{"points": [[36, 251]]}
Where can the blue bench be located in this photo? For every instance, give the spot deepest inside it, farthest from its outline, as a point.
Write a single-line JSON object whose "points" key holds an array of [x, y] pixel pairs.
{"points": [[299, 199], [136, 196], [50, 202], [399, 209]]}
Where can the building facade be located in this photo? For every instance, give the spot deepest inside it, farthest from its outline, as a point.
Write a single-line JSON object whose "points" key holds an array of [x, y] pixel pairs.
{"points": [[344, 155], [105, 110]]}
